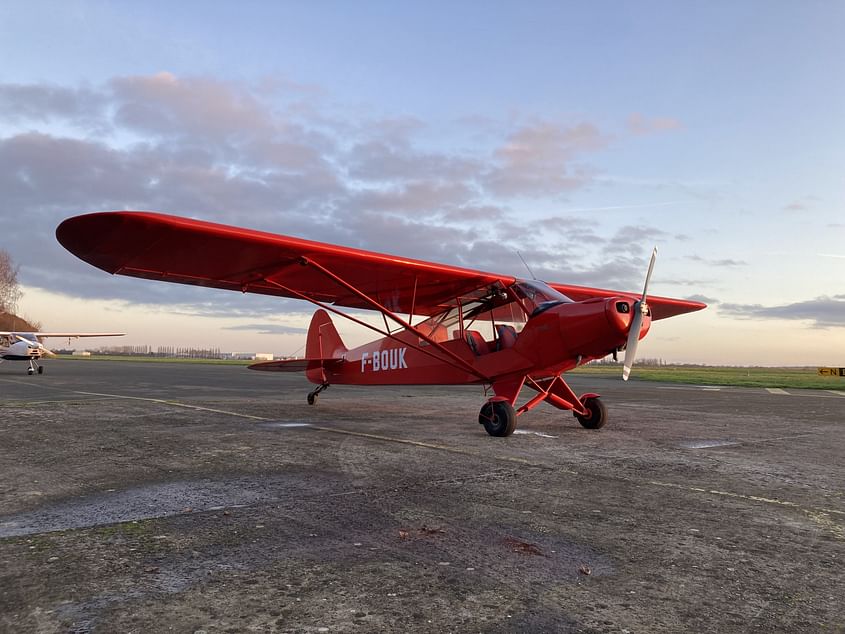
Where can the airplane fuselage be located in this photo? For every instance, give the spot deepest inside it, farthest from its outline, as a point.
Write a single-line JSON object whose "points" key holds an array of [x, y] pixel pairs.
{"points": [[21, 351], [554, 341]]}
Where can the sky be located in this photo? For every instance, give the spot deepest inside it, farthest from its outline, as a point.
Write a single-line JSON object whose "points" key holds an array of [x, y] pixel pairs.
{"points": [[577, 134]]}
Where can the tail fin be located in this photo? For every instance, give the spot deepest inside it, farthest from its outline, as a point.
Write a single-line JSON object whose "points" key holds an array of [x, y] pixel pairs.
{"points": [[323, 340], [323, 343]]}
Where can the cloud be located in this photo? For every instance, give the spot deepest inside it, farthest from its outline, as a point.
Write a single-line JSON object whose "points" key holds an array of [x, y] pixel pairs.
{"points": [[419, 198], [805, 203], [269, 329], [269, 156], [474, 214], [630, 239], [639, 124], [387, 153], [540, 159], [27, 103], [729, 262], [823, 312], [710, 301], [796, 206], [193, 107]]}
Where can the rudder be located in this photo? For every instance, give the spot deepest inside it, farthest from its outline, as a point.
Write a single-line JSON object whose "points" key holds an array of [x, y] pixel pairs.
{"points": [[323, 340]]}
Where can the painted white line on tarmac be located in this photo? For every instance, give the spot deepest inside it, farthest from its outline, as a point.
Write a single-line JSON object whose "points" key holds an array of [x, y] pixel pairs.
{"points": [[533, 433], [776, 390], [163, 401], [754, 498], [819, 516], [837, 392], [709, 444], [761, 440]]}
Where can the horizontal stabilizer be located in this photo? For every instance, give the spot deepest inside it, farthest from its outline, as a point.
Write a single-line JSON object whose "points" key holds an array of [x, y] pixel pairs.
{"points": [[294, 365]]}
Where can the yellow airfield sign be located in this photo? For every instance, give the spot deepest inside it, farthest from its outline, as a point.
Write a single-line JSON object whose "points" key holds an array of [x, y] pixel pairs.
{"points": [[832, 371]]}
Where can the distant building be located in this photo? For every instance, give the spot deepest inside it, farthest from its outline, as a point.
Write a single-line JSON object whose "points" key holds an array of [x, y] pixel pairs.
{"points": [[81, 353], [251, 356]]}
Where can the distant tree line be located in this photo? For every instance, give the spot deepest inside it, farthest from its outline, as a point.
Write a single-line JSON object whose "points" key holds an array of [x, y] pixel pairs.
{"points": [[161, 351], [608, 360]]}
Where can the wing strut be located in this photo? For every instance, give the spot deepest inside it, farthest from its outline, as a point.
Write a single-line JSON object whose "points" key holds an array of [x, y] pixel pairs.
{"points": [[384, 311], [461, 363]]}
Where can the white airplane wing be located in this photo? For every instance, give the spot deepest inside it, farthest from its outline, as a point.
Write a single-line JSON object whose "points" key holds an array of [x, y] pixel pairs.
{"points": [[70, 335]]}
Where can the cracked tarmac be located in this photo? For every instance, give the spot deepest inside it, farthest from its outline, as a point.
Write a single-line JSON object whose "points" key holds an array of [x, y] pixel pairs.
{"points": [[143, 497]]}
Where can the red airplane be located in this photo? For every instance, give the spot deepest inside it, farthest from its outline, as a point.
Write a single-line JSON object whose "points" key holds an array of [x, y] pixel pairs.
{"points": [[471, 327]]}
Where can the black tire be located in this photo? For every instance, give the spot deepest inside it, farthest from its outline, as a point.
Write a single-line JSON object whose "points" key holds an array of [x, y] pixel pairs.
{"points": [[598, 414], [498, 418], [40, 369], [30, 372], [312, 398]]}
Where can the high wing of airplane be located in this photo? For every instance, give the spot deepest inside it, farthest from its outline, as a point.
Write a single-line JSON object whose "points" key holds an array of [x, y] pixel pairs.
{"points": [[443, 325], [27, 346]]}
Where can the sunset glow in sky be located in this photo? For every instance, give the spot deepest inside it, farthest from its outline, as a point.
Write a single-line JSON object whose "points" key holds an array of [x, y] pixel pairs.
{"points": [[579, 134]]}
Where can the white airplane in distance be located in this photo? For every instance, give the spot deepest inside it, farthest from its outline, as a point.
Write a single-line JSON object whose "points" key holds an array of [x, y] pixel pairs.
{"points": [[27, 346]]}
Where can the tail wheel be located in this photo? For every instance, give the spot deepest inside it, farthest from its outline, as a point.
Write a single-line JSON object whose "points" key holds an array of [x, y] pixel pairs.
{"points": [[498, 418], [597, 414], [312, 396]]}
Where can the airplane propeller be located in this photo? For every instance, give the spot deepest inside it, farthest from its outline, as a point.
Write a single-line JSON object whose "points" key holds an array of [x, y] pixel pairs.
{"points": [[639, 309], [44, 349]]}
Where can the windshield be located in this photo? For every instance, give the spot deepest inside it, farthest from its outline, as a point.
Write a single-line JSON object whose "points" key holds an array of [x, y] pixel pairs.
{"points": [[538, 296]]}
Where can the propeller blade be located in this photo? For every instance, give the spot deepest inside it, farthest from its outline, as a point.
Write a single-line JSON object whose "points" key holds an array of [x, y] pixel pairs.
{"points": [[36, 344], [633, 341], [637, 322], [648, 275]]}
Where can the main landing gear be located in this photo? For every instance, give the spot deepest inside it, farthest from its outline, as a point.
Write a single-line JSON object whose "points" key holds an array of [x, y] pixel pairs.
{"points": [[312, 396], [499, 416], [597, 416], [33, 366]]}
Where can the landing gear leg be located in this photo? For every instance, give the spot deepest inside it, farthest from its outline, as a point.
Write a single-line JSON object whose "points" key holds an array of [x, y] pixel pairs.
{"points": [[588, 408], [312, 396], [33, 366]]}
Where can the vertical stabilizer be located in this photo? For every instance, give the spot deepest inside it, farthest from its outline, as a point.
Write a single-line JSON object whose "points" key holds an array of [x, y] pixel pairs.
{"points": [[323, 339], [323, 342]]}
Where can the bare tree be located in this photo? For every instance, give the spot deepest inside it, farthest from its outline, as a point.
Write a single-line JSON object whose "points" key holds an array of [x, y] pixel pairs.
{"points": [[10, 291]]}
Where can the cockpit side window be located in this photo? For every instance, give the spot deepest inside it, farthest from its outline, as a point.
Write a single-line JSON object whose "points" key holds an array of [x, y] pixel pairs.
{"points": [[482, 311]]}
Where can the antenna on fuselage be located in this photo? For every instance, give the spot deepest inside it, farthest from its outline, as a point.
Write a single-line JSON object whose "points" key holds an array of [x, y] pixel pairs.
{"points": [[530, 272]]}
